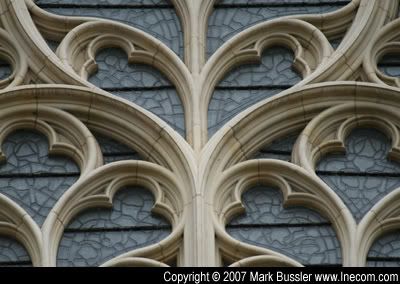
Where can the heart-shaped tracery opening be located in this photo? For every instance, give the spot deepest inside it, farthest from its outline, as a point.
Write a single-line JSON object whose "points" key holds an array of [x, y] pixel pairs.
{"points": [[98, 235], [31, 177], [297, 232], [364, 174]]}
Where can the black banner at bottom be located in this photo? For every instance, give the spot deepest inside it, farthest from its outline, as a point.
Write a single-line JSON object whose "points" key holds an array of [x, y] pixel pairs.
{"points": [[210, 275]]}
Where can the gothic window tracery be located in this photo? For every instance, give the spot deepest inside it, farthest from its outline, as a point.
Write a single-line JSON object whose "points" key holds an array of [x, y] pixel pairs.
{"points": [[196, 133]]}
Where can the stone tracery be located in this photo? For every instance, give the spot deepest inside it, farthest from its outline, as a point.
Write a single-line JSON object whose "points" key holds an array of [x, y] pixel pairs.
{"points": [[197, 183]]}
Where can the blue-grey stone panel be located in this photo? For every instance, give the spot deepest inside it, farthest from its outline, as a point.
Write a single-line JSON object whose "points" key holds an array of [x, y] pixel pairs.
{"points": [[93, 249], [114, 71], [31, 177], [37, 195], [163, 103], [264, 205], [141, 84], [364, 175], [308, 245], [226, 104], [385, 252], [27, 152], [131, 207], [360, 193], [12, 253], [97, 235], [160, 22], [275, 68], [386, 246], [382, 263], [366, 152], [110, 146], [297, 232], [248, 84], [227, 21], [116, 158]]}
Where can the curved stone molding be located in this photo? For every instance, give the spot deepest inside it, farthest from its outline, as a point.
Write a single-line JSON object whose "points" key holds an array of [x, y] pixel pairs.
{"points": [[263, 261], [385, 42], [84, 40], [53, 26], [44, 64], [66, 134], [336, 22], [301, 37], [135, 262], [261, 124], [79, 47], [229, 16], [383, 218], [15, 223], [347, 59], [143, 131], [298, 188], [13, 55], [98, 189], [327, 132], [336, 123]]}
